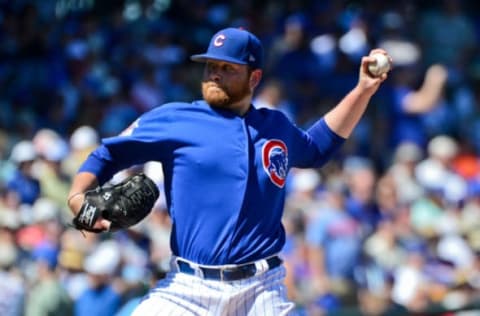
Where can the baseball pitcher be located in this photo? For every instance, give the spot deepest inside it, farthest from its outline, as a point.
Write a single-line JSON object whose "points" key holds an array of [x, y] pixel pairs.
{"points": [[225, 164]]}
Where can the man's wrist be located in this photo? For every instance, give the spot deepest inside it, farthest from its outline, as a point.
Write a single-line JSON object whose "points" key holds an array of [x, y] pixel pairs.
{"points": [[363, 91], [75, 201]]}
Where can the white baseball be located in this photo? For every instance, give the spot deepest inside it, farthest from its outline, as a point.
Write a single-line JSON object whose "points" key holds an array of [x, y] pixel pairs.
{"points": [[380, 66]]}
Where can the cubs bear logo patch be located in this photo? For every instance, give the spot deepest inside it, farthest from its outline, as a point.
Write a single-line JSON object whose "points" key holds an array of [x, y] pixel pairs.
{"points": [[275, 161]]}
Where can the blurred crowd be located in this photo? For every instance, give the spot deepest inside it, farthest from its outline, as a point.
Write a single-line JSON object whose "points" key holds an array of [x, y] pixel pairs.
{"points": [[390, 226]]}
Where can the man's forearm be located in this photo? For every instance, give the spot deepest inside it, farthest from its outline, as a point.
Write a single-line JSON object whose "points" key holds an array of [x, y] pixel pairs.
{"points": [[343, 118]]}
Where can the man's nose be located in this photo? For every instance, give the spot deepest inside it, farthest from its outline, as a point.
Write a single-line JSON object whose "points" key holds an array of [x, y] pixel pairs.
{"points": [[214, 76]]}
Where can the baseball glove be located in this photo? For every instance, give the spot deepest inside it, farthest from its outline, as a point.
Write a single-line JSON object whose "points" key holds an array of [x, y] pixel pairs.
{"points": [[123, 204]]}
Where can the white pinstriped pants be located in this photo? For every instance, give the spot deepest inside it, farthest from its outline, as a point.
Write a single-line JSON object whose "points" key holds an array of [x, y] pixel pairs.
{"points": [[189, 295]]}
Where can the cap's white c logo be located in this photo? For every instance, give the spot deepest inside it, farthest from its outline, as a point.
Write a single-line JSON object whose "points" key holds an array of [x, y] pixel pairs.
{"points": [[219, 40]]}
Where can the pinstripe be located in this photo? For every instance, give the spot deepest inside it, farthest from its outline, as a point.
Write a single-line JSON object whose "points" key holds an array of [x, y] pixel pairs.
{"points": [[190, 297], [246, 303], [189, 294], [279, 291], [235, 309], [182, 294], [174, 292], [255, 291], [218, 301], [202, 289], [241, 304], [209, 304], [227, 301], [263, 305], [182, 297], [193, 290], [276, 300]]}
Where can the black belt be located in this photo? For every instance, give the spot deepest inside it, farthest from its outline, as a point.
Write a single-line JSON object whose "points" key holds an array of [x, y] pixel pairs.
{"points": [[239, 272]]}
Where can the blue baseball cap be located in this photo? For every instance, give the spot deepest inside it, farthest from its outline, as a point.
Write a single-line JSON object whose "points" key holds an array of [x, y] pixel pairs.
{"points": [[234, 45]]}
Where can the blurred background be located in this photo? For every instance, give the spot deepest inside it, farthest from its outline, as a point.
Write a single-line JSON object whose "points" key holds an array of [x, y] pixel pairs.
{"points": [[390, 226]]}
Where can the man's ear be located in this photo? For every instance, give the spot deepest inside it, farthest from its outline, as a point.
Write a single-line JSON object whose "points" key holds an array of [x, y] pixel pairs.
{"points": [[255, 78]]}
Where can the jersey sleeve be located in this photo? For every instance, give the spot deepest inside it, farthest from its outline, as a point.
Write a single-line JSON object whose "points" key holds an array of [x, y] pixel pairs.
{"points": [[315, 146], [144, 140]]}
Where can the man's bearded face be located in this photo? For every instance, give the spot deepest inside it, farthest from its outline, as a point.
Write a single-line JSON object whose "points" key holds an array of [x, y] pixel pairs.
{"points": [[229, 91]]}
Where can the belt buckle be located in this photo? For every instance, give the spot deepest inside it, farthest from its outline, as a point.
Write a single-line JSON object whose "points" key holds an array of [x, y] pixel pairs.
{"points": [[231, 271], [228, 268]]}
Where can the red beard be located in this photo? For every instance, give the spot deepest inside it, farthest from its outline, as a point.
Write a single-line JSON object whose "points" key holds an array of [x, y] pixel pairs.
{"points": [[219, 96], [214, 94]]}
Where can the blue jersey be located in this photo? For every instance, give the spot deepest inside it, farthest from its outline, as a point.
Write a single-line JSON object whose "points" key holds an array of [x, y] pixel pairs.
{"points": [[224, 174]]}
